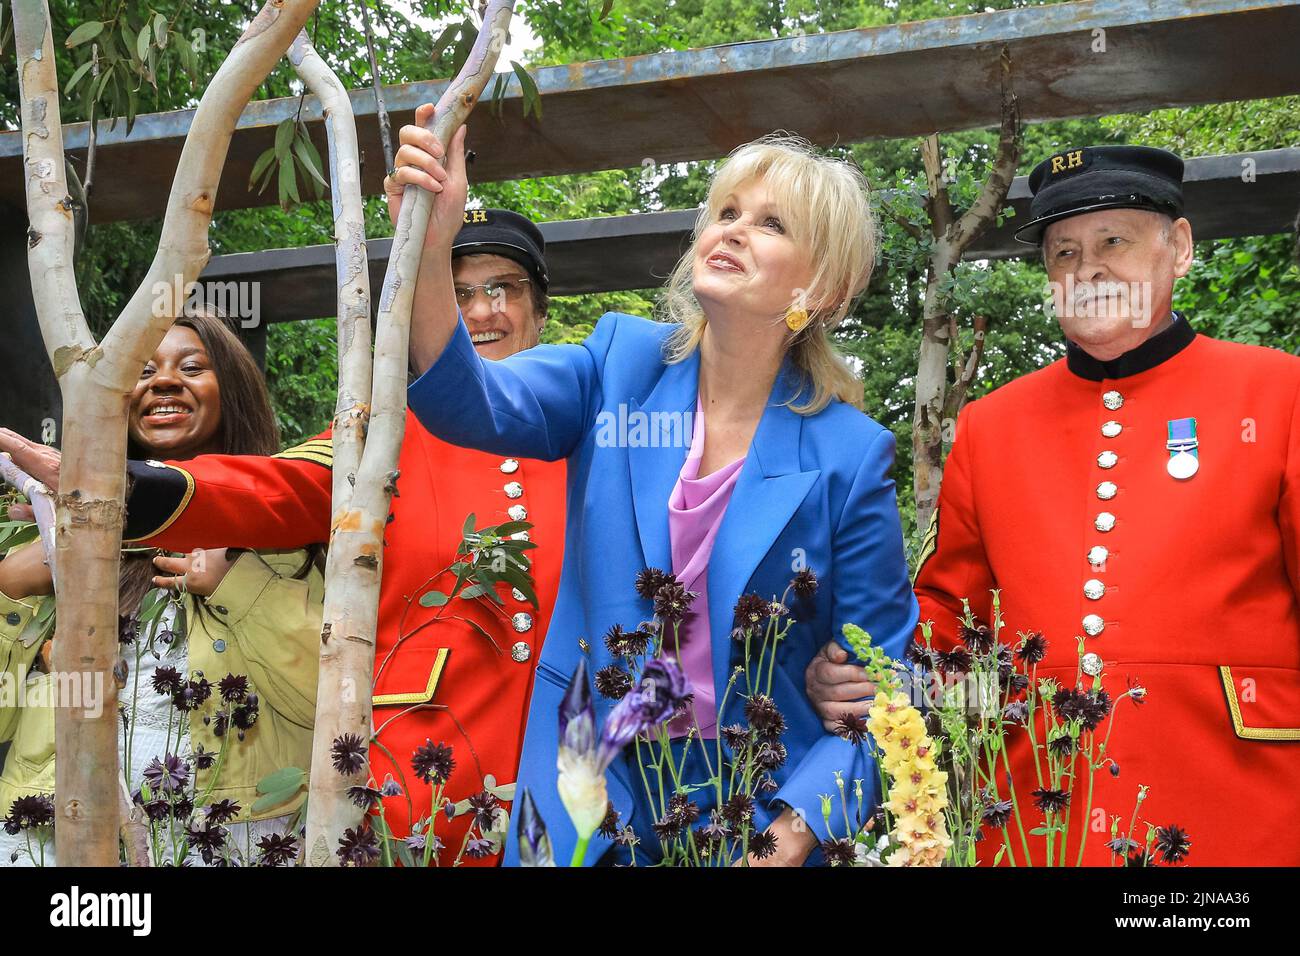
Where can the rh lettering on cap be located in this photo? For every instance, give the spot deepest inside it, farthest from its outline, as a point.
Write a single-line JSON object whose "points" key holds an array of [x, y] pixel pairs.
{"points": [[475, 215], [1067, 161]]}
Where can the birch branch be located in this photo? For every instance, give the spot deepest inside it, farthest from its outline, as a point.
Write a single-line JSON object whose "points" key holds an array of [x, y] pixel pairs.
{"points": [[352, 410], [42, 503], [937, 203], [993, 194], [356, 549]]}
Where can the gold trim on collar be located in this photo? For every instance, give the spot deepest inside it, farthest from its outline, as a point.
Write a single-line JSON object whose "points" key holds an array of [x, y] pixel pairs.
{"points": [[417, 697], [1250, 733], [180, 508]]}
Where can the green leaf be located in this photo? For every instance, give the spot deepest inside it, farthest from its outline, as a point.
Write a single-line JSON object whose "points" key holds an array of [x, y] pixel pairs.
{"points": [[443, 41], [518, 579], [108, 47], [142, 41], [160, 30], [433, 599], [21, 533], [403, 852], [503, 793], [132, 107], [284, 139], [260, 167], [476, 590], [468, 34], [282, 779], [532, 99], [128, 39], [512, 527], [498, 90], [468, 527], [273, 799], [87, 31], [310, 159], [98, 85], [39, 626], [77, 74], [153, 612], [288, 183]]}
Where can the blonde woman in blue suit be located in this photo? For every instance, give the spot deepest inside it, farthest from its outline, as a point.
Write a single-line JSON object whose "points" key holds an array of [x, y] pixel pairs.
{"points": [[784, 242]]}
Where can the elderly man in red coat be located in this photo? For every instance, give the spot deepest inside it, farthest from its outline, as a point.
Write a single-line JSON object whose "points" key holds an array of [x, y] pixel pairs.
{"points": [[1141, 495]]}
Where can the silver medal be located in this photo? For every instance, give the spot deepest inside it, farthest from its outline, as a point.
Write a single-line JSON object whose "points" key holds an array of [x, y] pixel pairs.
{"points": [[1183, 465]]}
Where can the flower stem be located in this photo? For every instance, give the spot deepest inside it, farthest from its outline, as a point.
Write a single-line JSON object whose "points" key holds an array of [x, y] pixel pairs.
{"points": [[580, 852]]}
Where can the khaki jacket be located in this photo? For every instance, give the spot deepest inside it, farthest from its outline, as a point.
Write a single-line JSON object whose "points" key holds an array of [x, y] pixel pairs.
{"points": [[260, 623]]}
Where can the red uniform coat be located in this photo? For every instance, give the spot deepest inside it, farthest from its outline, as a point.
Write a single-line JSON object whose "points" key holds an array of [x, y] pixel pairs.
{"points": [[479, 687], [1196, 592]]}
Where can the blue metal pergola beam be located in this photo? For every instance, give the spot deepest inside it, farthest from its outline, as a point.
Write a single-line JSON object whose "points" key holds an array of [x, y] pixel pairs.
{"points": [[1091, 57]]}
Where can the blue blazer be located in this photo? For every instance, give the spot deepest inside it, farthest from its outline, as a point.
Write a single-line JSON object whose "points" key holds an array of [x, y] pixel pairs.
{"points": [[814, 491]]}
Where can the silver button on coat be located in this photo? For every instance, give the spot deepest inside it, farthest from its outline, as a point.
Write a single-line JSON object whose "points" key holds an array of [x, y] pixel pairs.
{"points": [[1111, 429], [522, 622], [509, 466], [1093, 625], [517, 512], [1093, 589], [1108, 459], [1107, 490], [520, 651], [1105, 521], [1091, 664], [1113, 400], [514, 489], [1097, 555]]}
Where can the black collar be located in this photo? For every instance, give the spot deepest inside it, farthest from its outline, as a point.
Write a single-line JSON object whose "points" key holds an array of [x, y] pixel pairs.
{"points": [[1155, 350]]}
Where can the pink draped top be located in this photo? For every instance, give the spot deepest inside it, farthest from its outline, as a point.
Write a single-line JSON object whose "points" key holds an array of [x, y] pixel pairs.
{"points": [[695, 511]]}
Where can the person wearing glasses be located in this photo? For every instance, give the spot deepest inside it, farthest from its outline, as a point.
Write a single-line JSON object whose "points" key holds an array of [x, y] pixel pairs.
{"points": [[458, 675], [500, 281]]}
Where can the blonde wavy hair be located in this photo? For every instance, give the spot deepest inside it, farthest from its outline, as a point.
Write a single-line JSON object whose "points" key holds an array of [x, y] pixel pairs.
{"points": [[826, 208]]}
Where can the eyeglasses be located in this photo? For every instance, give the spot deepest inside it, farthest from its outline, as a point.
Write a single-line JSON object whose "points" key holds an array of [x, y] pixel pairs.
{"points": [[508, 290]]}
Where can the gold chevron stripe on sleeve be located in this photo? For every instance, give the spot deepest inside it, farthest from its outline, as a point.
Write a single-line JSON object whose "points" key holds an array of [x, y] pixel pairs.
{"points": [[319, 451]]}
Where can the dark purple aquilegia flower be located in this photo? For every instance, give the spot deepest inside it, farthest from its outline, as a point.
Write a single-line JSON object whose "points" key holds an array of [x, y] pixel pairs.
{"points": [[167, 775]]}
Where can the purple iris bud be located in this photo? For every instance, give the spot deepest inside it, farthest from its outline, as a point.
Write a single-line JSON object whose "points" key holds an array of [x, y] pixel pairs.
{"points": [[578, 713], [534, 844]]}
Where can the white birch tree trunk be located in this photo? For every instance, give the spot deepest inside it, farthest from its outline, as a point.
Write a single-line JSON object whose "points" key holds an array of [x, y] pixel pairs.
{"points": [[96, 381]]}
